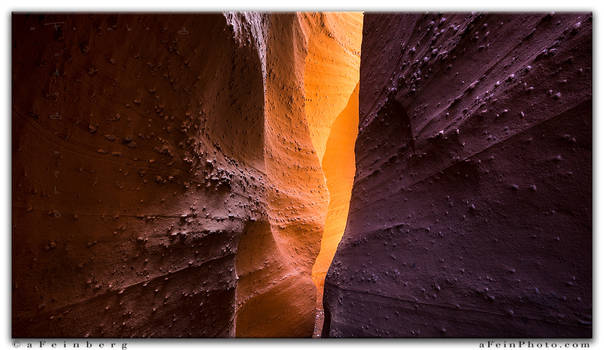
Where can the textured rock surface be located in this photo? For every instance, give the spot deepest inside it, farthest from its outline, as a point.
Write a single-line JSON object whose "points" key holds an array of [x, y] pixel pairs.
{"points": [[165, 182], [471, 207]]}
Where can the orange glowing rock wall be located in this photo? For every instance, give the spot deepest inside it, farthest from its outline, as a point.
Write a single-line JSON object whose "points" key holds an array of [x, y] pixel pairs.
{"points": [[332, 69], [165, 178], [277, 298], [331, 81]]}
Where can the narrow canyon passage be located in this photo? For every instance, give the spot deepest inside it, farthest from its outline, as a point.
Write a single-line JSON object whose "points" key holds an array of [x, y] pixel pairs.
{"points": [[244, 174], [338, 167], [331, 79]]}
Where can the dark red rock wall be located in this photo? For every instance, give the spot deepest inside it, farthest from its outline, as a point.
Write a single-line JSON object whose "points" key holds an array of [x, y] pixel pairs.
{"points": [[129, 193], [471, 211]]}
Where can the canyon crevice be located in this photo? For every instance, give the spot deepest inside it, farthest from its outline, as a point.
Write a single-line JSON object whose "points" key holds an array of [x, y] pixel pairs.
{"points": [[194, 175]]}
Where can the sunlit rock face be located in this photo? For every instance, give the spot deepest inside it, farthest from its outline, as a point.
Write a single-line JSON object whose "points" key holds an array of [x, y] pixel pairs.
{"points": [[275, 293], [332, 69], [331, 79], [471, 206], [165, 177]]}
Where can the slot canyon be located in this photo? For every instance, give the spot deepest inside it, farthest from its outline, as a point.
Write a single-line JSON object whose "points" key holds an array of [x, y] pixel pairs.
{"points": [[242, 174]]}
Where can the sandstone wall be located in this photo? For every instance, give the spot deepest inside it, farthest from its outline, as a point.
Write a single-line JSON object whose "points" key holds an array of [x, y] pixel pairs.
{"points": [[165, 182], [471, 208]]}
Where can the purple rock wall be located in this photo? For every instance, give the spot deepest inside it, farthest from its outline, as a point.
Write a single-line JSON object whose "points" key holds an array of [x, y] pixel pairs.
{"points": [[471, 211]]}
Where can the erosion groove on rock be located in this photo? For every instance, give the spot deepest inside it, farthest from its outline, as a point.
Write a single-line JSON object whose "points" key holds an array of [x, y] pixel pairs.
{"points": [[471, 206]]}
